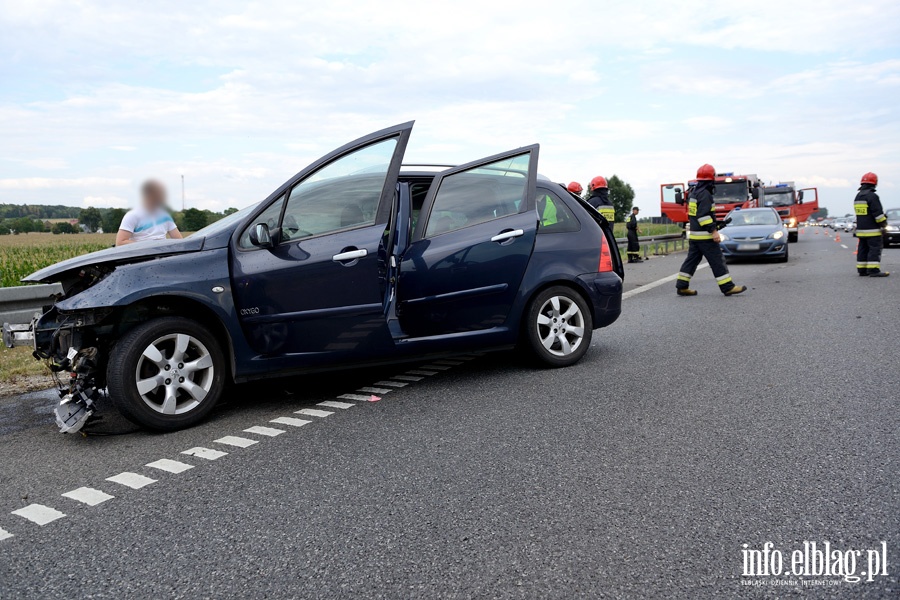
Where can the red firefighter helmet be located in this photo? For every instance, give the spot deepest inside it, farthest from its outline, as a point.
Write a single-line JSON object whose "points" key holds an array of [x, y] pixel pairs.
{"points": [[575, 188], [870, 178], [598, 182], [706, 173]]}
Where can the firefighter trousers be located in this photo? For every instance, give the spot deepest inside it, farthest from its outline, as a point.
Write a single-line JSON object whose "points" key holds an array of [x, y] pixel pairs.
{"points": [[634, 246], [868, 255], [697, 251]]}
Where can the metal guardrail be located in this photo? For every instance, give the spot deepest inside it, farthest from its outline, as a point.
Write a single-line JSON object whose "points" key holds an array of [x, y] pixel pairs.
{"points": [[18, 304], [659, 243]]}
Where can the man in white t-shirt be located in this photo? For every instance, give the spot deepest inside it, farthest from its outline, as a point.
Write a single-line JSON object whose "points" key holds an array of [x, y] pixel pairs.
{"points": [[149, 221]]}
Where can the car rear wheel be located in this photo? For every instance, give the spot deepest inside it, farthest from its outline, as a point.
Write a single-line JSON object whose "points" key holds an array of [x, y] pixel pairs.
{"points": [[559, 327], [166, 374]]}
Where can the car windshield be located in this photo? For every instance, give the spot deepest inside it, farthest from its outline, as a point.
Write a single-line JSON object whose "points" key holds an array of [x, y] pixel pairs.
{"points": [[225, 222], [754, 217], [731, 192], [785, 198], [893, 214]]}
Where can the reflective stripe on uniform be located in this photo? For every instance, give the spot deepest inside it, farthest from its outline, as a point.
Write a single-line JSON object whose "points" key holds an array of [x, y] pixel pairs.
{"points": [[873, 265], [861, 208], [608, 212], [868, 232], [726, 278], [683, 277], [861, 265], [707, 220], [699, 235], [880, 218]]}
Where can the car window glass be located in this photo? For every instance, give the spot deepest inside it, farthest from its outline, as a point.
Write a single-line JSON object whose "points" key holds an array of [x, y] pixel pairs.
{"points": [[269, 216], [479, 194], [341, 195], [553, 214]]}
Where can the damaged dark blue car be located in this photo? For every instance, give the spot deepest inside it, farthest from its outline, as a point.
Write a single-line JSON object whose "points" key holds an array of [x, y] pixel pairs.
{"points": [[357, 260]]}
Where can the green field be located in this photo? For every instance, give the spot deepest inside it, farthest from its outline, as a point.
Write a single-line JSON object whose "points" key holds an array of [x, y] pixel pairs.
{"points": [[647, 229], [23, 254]]}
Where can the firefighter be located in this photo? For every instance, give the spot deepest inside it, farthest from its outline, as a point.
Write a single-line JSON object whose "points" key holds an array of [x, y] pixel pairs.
{"points": [[704, 238], [575, 188], [870, 219], [599, 198], [634, 246]]}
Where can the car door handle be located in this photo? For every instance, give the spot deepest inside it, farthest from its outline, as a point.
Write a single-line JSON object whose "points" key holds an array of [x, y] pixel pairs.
{"points": [[507, 235], [350, 255]]}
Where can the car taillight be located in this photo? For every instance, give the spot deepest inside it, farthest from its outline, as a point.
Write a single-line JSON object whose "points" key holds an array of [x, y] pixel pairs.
{"points": [[606, 262]]}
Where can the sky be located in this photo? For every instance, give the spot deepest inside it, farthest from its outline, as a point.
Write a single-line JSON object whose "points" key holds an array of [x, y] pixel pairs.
{"points": [[96, 96]]}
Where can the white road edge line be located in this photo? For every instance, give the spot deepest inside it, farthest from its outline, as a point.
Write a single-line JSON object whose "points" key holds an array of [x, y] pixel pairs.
{"points": [[233, 440], [656, 283], [266, 431], [170, 466], [39, 514], [88, 496], [334, 404], [356, 397], [313, 412], [205, 453], [292, 421], [132, 480]]}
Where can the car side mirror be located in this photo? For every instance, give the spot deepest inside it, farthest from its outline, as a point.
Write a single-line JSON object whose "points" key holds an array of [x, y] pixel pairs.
{"points": [[260, 236]]}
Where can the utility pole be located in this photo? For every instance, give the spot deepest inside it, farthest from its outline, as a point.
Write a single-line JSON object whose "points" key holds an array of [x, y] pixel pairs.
{"points": [[182, 193]]}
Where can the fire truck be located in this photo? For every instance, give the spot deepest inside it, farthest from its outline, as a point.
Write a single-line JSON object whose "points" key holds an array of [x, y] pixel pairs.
{"points": [[795, 206], [732, 191]]}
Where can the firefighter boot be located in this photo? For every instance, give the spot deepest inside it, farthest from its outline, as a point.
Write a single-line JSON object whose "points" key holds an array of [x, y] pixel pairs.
{"points": [[738, 289], [686, 292], [879, 274]]}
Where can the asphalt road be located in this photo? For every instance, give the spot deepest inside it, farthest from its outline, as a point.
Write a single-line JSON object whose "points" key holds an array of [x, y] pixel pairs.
{"points": [[693, 426]]}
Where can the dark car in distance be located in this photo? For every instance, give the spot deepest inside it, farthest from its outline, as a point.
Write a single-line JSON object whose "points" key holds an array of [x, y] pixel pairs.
{"points": [[892, 228], [354, 261]]}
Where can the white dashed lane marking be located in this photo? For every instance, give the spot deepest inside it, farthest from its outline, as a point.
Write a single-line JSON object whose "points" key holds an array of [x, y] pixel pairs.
{"points": [[436, 367], [450, 363], [421, 372], [356, 397], [88, 496], [39, 514], [172, 466], [407, 378], [335, 404], [844, 247], [233, 440], [205, 453], [5, 535], [313, 412], [267, 431], [132, 480], [374, 390], [396, 384], [292, 421]]}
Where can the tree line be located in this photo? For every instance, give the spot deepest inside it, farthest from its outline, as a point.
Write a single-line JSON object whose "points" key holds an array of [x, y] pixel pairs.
{"points": [[27, 218]]}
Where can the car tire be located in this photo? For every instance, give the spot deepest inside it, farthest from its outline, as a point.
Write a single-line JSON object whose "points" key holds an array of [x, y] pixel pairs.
{"points": [[786, 256], [558, 327], [166, 374], [792, 238]]}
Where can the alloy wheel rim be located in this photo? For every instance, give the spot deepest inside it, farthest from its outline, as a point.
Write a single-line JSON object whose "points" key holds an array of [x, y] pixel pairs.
{"points": [[174, 374], [560, 326]]}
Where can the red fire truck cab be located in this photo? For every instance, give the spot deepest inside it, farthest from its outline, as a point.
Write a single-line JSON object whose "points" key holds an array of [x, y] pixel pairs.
{"points": [[794, 206], [732, 191]]}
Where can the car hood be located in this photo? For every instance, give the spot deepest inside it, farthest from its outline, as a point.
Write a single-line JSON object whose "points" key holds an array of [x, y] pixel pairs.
{"points": [[734, 231], [131, 253]]}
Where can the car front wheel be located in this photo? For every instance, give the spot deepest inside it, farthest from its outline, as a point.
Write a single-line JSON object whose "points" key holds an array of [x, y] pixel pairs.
{"points": [[166, 374], [559, 327]]}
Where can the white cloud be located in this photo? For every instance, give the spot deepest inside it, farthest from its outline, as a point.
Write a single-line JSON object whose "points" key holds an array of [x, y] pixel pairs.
{"points": [[43, 183], [105, 202]]}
